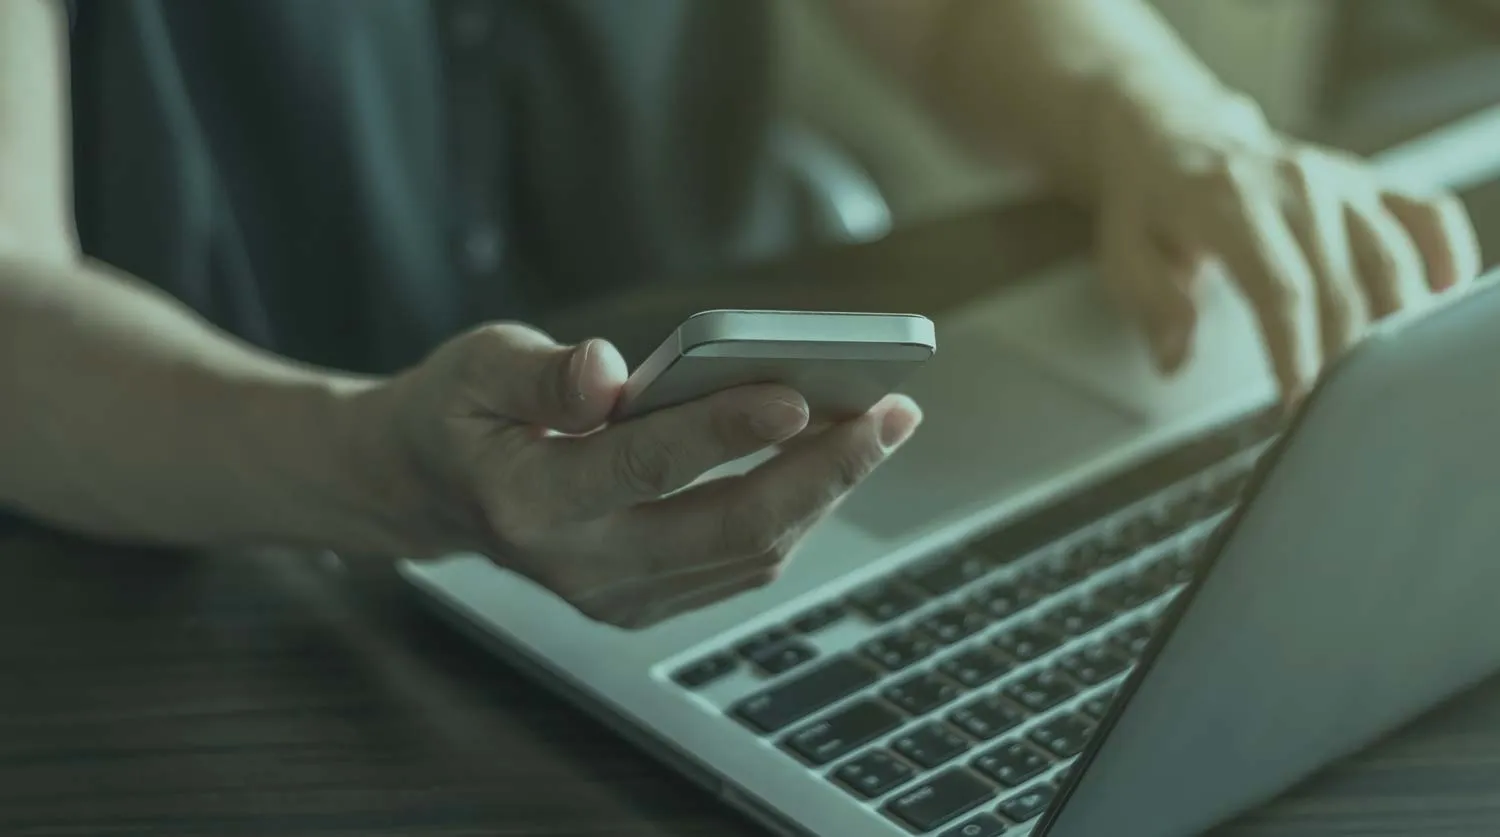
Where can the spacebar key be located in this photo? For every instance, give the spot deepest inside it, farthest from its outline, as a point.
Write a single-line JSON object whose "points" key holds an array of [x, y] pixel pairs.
{"points": [[780, 706]]}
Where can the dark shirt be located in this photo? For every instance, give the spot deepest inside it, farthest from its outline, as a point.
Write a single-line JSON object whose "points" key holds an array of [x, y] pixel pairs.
{"points": [[351, 181]]}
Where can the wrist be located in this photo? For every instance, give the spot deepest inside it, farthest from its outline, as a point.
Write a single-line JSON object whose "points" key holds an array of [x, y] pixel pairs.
{"points": [[406, 494]]}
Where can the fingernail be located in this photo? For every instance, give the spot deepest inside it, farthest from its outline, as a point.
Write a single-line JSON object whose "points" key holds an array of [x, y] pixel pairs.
{"points": [[577, 367], [898, 423], [779, 419]]}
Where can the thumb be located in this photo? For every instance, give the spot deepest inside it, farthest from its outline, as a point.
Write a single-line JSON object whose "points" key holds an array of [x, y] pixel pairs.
{"points": [[517, 373]]}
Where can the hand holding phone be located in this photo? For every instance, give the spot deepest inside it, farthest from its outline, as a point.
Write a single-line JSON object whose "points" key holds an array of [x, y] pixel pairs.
{"points": [[841, 363]]}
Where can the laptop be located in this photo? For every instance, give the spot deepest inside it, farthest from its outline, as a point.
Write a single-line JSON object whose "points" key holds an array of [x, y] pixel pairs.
{"points": [[1082, 600]]}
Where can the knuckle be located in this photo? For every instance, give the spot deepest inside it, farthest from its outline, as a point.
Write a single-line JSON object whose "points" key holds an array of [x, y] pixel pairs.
{"points": [[643, 465], [750, 528]]}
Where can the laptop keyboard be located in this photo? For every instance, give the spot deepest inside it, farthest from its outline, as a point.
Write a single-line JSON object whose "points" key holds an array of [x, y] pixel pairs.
{"points": [[977, 676]]}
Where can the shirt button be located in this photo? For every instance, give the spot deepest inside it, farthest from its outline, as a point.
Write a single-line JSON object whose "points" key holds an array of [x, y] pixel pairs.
{"points": [[482, 248], [471, 24]]}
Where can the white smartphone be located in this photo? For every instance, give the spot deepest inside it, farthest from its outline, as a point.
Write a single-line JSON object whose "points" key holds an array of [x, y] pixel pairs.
{"points": [[842, 363]]}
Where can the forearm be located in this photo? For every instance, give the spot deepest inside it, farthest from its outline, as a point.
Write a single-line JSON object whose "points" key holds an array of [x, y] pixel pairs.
{"points": [[1033, 76], [127, 417]]}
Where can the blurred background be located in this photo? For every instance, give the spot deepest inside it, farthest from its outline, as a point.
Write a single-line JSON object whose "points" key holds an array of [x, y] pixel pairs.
{"points": [[1357, 74]]}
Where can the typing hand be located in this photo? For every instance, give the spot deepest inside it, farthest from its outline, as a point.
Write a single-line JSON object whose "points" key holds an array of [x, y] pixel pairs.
{"points": [[1314, 241], [509, 426]]}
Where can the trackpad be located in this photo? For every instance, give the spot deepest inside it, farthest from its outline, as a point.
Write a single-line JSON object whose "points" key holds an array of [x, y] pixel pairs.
{"points": [[996, 423]]}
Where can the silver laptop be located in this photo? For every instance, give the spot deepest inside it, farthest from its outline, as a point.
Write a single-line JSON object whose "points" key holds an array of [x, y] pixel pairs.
{"points": [[1020, 624]]}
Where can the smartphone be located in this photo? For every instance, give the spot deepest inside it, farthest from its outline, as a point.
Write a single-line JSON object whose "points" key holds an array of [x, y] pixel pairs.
{"points": [[842, 363]]}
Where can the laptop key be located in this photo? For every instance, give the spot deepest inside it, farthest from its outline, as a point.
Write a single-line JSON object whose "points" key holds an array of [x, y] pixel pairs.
{"points": [[1127, 593], [931, 745], [941, 799], [1140, 532], [1186, 563], [1134, 638], [988, 717], [1058, 574], [941, 576], [1094, 665], [873, 774], [883, 602], [1004, 599], [974, 667], [843, 732], [982, 825], [1064, 736], [1028, 804], [897, 650], [1159, 578], [1041, 691], [953, 624], [784, 704], [1098, 707], [1027, 642], [921, 694], [817, 618], [1091, 554], [1012, 764], [762, 642], [781, 658], [1051, 578], [1076, 618], [705, 671]]}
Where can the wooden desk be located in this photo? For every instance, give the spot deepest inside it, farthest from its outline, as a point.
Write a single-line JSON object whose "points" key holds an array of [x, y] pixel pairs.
{"points": [[166, 695], [151, 694]]}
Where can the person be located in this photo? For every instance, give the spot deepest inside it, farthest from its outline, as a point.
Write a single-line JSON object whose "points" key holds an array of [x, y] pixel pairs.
{"points": [[262, 258]]}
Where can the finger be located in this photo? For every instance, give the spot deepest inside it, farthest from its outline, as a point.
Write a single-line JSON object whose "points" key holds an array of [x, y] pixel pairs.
{"points": [[1266, 262], [1387, 258], [518, 373], [1153, 284], [1318, 224], [1167, 309], [648, 457], [1444, 235], [759, 513]]}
